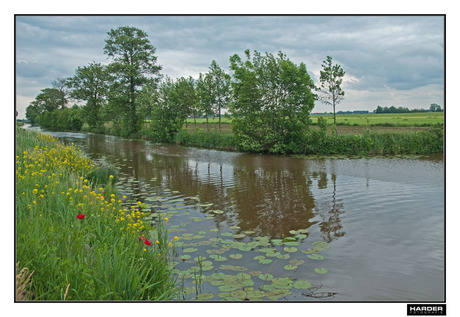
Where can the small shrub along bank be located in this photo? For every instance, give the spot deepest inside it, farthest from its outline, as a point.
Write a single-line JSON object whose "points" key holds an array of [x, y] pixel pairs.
{"points": [[75, 238], [200, 138]]}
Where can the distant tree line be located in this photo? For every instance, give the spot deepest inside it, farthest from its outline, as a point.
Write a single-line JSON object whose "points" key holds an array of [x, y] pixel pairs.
{"points": [[433, 108], [269, 97]]}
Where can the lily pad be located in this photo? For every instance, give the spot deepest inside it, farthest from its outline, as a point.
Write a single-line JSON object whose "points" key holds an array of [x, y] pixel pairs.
{"points": [[218, 276], [290, 249], [266, 277], [255, 273], [290, 267], [296, 262], [188, 250], [292, 243], [321, 270], [218, 212], [255, 294], [245, 248], [282, 282], [185, 257], [228, 288], [315, 256], [233, 268], [302, 284], [277, 241], [205, 296], [277, 294], [239, 236], [283, 256], [236, 256]]}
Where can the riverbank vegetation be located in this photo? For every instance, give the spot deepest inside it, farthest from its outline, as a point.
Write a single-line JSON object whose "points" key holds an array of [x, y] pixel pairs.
{"points": [[76, 239], [267, 101], [320, 141]]}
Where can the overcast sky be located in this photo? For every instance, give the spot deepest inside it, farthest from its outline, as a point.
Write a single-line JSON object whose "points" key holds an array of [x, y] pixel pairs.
{"points": [[388, 60]]}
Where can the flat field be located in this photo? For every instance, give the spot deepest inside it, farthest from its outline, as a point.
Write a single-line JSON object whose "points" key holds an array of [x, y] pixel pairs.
{"points": [[348, 123], [386, 119]]}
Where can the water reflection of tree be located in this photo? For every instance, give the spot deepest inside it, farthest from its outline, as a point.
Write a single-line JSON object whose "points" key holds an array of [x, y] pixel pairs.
{"points": [[271, 197], [268, 194], [331, 224]]}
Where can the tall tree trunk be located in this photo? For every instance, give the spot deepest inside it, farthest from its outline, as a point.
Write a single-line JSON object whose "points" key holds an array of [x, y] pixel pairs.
{"points": [[219, 121], [134, 118], [335, 125]]}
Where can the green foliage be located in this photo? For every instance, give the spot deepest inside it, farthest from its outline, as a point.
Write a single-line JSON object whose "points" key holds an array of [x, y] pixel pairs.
{"points": [[273, 100], [90, 84], [219, 89], [171, 108], [66, 119], [133, 66], [200, 138], [424, 142], [330, 89], [204, 97]]}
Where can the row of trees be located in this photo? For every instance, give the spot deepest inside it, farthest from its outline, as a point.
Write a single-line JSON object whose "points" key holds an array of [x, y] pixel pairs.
{"points": [[433, 108], [269, 96]]}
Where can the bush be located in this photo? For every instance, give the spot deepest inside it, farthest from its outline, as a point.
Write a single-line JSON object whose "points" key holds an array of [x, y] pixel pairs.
{"points": [[200, 138]]}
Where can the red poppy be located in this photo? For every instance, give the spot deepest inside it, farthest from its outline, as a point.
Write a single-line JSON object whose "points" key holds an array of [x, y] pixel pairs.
{"points": [[81, 216], [142, 238], [147, 242]]}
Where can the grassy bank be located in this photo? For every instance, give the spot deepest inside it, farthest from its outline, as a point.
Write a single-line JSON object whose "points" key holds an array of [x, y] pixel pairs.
{"points": [[76, 237], [319, 142]]}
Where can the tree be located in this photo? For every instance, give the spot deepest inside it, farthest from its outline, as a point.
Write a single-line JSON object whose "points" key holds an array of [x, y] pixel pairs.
{"points": [[379, 109], [90, 84], [61, 85], [205, 99], [171, 108], [272, 103], [185, 96], [435, 107], [33, 111], [330, 90], [220, 89], [49, 99], [133, 66]]}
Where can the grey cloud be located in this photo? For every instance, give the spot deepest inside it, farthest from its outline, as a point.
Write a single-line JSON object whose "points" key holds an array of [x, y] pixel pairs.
{"points": [[398, 52]]}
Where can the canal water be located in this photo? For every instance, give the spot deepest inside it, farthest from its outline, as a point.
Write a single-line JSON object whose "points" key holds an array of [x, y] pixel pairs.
{"points": [[265, 227]]}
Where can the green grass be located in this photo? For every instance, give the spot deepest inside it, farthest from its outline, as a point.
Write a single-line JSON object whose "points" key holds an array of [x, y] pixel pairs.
{"points": [[419, 119], [391, 119], [98, 257]]}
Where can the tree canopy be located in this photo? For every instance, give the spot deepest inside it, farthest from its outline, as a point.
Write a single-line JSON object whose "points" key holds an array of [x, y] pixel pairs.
{"points": [[330, 90], [133, 65], [272, 102]]}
